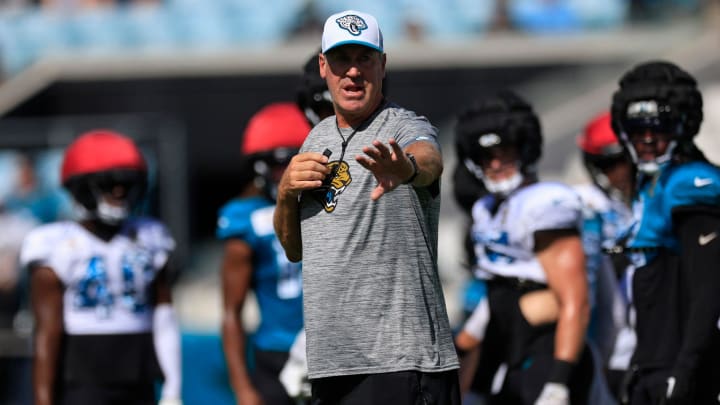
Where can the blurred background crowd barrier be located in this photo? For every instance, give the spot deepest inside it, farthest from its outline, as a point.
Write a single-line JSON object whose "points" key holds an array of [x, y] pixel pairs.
{"points": [[184, 76], [30, 30]]}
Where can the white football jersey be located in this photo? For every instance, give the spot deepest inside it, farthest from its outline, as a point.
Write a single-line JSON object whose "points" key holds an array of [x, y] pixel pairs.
{"points": [[106, 283], [616, 216], [504, 241]]}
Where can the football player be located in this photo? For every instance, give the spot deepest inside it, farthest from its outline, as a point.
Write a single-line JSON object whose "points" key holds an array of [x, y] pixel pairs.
{"points": [[100, 292], [254, 259], [529, 251], [673, 243], [606, 203]]}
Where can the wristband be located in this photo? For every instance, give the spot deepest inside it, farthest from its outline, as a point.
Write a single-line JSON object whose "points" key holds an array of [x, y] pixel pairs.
{"points": [[560, 371], [415, 168]]}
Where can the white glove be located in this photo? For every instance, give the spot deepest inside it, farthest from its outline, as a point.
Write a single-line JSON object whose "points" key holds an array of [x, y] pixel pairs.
{"points": [[169, 401], [294, 375], [554, 394], [294, 378], [166, 338]]}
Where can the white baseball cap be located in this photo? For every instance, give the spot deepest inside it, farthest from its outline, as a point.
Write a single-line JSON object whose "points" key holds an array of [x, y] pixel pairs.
{"points": [[351, 27]]}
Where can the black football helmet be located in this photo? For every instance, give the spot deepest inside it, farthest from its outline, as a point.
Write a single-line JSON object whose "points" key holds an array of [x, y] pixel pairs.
{"points": [[312, 95], [503, 119], [657, 96]]}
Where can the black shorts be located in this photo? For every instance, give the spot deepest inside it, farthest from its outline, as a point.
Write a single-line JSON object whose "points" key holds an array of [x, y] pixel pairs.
{"points": [[527, 350], [649, 387], [109, 359], [107, 394], [108, 370], [398, 388], [524, 385], [265, 376]]}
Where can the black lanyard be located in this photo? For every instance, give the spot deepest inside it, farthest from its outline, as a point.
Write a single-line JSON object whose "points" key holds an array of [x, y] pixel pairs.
{"points": [[346, 141]]}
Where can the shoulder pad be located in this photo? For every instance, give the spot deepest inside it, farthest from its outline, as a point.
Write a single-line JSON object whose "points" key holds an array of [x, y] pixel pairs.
{"points": [[551, 205], [40, 242], [152, 233], [592, 197], [236, 220], [690, 184]]}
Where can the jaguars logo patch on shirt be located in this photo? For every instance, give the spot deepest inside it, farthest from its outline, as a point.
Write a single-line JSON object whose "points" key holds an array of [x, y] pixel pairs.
{"points": [[334, 185]]}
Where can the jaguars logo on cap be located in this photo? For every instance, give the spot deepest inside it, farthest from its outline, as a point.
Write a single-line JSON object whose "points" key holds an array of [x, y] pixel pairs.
{"points": [[352, 24]]}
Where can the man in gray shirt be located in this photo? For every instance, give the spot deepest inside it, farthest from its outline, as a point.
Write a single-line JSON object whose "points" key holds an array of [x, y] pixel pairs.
{"points": [[359, 206]]}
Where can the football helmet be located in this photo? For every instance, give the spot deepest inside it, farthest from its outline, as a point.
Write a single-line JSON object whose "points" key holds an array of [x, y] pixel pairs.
{"points": [[600, 150], [106, 174], [313, 96], [503, 119], [272, 137], [660, 97]]}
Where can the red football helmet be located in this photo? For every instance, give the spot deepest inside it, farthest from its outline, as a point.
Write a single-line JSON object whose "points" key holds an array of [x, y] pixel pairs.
{"points": [[272, 137], [99, 151], [598, 138], [601, 150], [101, 163], [278, 125]]}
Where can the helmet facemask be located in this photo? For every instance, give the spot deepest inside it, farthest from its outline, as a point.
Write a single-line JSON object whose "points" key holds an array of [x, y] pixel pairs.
{"points": [[312, 95], [488, 148], [268, 167], [645, 116], [597, 167], [109, 196], [502, 188], [317, 105]]}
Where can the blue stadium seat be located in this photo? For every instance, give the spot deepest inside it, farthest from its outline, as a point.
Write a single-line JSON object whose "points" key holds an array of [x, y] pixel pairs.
{"points": [[29, 34], [542, 16], [253, 23], [13, 56], [199, 24], [151, 28], [451, 19], [391, 18], [602, 14], [222, 23], [99, 30]]}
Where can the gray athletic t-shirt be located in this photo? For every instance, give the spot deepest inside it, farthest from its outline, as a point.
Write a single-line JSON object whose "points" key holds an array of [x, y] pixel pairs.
{"points": [[372, 296]]}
